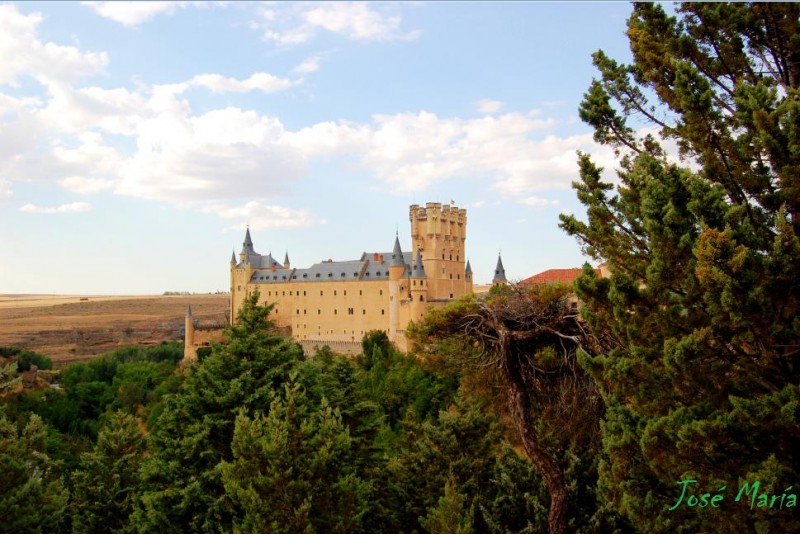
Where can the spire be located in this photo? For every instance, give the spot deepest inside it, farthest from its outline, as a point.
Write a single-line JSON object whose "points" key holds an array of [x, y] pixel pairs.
{"points": [[286, 260], [499, 271], [419, 270], [233, 257], [189, 311], [468, 270], [397, 254], [247, 246]]}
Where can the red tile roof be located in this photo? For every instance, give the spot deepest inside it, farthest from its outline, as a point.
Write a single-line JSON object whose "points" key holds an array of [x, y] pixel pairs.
{"points": [[553, 276]]}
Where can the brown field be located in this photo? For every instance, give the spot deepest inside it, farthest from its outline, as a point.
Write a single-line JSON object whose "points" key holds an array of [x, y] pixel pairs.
{"points": [[74, 328]]}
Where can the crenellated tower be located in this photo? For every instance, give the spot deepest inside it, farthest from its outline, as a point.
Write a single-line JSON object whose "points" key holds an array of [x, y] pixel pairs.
{"points": [[439, 233]]}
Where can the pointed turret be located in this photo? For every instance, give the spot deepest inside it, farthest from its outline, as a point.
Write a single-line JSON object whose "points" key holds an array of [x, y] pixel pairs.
{"points": [[286, 260], [419, 270], [189, 311], [233, 257], [468, 270], [499, 273], [247, 246], [397, 254]]}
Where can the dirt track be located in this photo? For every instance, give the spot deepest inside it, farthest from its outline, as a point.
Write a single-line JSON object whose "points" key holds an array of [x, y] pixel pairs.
{"points": [[72, 328]]}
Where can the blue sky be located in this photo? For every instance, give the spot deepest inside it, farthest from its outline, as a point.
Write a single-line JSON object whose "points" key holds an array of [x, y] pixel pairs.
{"points": [[137, 140]]}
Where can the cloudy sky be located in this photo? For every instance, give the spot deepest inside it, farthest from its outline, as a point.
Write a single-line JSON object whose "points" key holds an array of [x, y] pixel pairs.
{"points": [[137, 140]]}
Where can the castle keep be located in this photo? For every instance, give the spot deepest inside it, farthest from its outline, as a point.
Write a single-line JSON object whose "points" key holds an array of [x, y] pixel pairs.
{"points": [[336, 302]]}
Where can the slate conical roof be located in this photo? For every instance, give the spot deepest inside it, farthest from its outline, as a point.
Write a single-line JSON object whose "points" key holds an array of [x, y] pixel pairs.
{"points": [[189, 311], [499, 271], [247, 245], [286, 258], [233, 256], [397, 254], [419, 270], [468, 270]]}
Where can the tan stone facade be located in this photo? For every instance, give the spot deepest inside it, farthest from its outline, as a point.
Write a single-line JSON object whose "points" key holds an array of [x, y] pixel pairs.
{"points": [[339, 301]]}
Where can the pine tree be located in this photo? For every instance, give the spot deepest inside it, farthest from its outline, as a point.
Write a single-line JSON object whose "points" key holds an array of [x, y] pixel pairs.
{"points": [[32, 495], [699, 320], [293, 470], [183, 487], [107, 482]]}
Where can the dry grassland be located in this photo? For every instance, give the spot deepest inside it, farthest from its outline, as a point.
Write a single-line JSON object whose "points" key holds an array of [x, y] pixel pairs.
{"points": [[73, 328]]}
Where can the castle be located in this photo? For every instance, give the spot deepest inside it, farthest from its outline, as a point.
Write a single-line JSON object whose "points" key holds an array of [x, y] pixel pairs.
{"points": [[336, 302]]}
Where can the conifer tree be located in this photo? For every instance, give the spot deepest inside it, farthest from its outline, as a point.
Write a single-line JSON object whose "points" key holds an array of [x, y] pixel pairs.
{"points": [[699, 320], [183, 487], [294, 469], [32, 495], [107, 482]]}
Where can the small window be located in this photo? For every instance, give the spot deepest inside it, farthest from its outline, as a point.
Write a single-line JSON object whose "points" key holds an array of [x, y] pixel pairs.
{"points": [[335, 311], [342, 275], [334, 292], [317, 275], [320, 293], [451, 295], [363, 312], [421, 298], [451, 276], [319, 312], [294, 277], [330, 275], [305, 275], [359, 292], [304, 293], [381, 291], [355, 275], [298, 312], [458, 277], [382, 312], [345, 292]]}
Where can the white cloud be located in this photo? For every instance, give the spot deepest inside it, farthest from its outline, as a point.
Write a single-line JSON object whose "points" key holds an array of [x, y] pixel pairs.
{"points": [[478, 204], [23, 53], [539, 202], [5, 190], [226, 153], [486, 105], [134, 13], [307, 66], [292, 24], [261, 81], [81, 184], [75, 207], [260, 216]]}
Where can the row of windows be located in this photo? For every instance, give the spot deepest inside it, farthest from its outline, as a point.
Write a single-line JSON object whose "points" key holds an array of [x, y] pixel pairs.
{"points": [[321, 293], [350, 311]]}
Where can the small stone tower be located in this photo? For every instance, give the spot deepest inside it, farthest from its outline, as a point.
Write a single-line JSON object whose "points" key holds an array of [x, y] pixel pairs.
{"points": [[397, 268], [468, 277], [189, 350], [499, 273], [419, 289]]}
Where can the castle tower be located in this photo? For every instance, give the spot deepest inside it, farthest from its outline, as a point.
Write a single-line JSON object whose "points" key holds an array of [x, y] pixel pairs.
{"points": [[499, 273], [189, 352], [440, 232], [397, 267], [241, 274], [419, 289], [286, 260], [468, 277], [247, 246]]}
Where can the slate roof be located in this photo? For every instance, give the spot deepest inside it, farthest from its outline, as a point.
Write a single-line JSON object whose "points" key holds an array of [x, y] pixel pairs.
{"points": [[499, 271], [365, 268]]}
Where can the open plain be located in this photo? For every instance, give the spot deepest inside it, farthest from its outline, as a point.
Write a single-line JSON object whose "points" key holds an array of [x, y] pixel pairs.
{"points": [[73, 328]]}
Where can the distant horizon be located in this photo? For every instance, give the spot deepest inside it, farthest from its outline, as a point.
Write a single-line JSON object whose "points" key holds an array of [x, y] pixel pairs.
{"points": [[137, 141]]}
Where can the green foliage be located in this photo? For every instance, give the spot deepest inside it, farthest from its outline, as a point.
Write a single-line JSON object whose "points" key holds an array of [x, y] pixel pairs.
{"points": [[32, 494], [107, 482], [293, 469], [193, 434], [26, 358], [699, 321], [449, 516]]}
